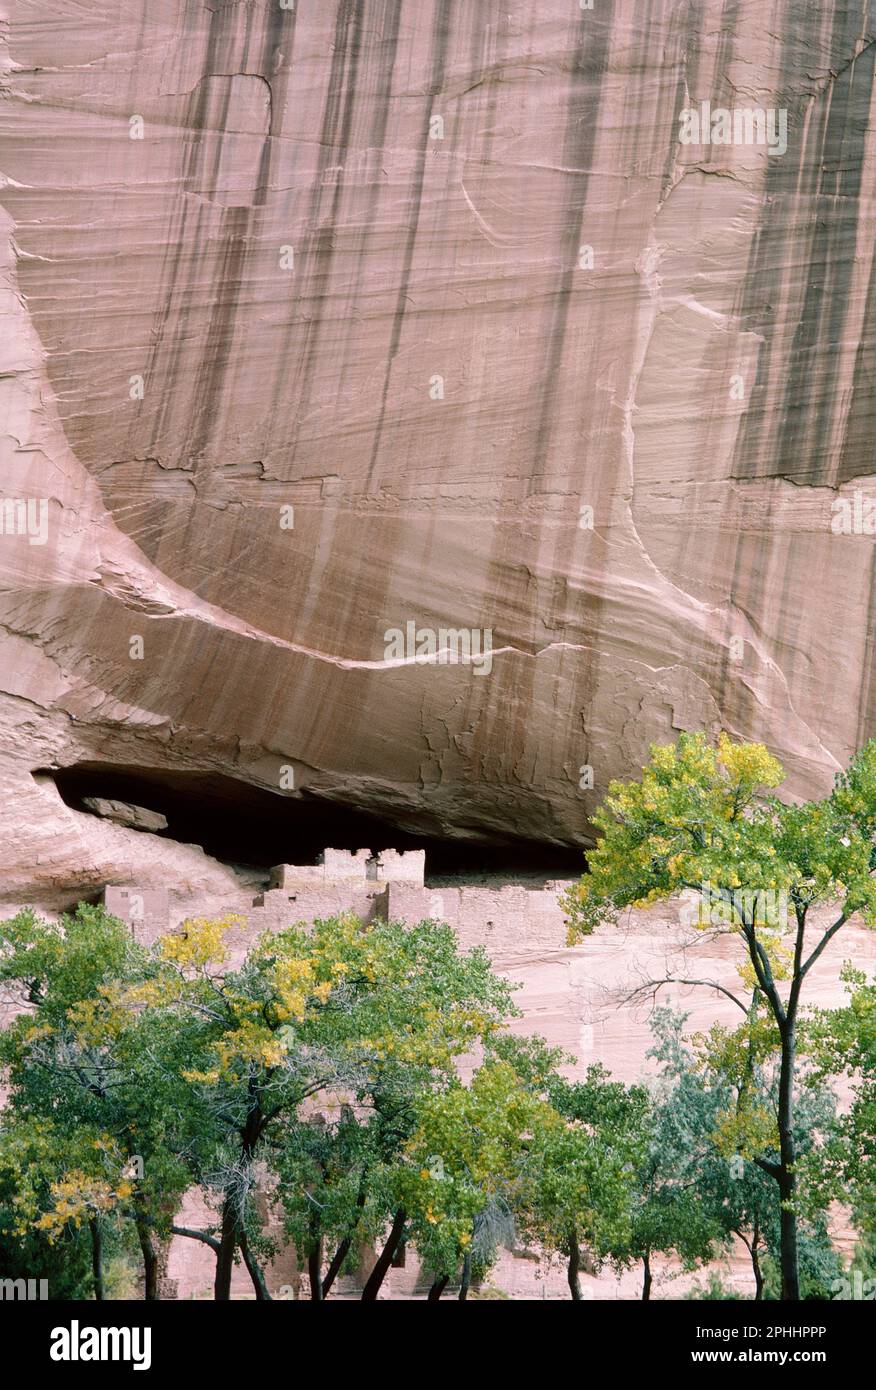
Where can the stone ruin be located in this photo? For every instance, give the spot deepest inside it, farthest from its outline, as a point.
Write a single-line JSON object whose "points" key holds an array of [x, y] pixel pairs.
{"points": [[347, 866], [341, 881], [145, 910], [390, 884]]}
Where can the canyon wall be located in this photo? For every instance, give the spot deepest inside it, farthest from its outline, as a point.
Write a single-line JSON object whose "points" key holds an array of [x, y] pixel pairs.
{"points": [[323, 319]]}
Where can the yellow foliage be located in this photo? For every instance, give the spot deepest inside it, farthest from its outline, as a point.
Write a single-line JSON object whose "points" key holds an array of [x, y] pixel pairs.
{"points": [[749, 764], [78, 1196], [207, 1078], [199, 941]]}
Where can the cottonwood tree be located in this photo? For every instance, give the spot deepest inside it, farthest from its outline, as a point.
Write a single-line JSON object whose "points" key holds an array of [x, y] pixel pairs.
{"points": [[84, 1084], [723, 1098], [704, 819], [26, 1253], [669, 1210], [329, 1187], [210, 1075], [311, 1020], [843, 1042], [521, 1153], [469, 1169], [583, 1170], [59, 1183], [428, 1005]]}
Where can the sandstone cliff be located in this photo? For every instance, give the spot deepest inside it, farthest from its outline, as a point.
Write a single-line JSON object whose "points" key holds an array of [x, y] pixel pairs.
{"points": [[323, 319]]}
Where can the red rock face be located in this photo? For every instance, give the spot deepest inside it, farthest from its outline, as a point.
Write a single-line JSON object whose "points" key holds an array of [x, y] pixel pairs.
{"points": [[324, 320]]}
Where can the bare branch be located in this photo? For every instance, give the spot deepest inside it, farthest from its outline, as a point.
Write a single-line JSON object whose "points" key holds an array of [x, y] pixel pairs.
{"points": [[652, 986]]}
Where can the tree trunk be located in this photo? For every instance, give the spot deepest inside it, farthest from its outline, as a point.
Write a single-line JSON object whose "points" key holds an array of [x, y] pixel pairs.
{"points": [[232, 1216], [343, 1249], [786, 1019], [574, 1265], [753, 1248], [466, 1278], [438, 1288], [758, 1275], [96, 1258], [255, 1272], [334, 1268], [314, 1269], [225, 1253], [646, 1282], [378, 1273], [787, 1178], [150, 1262]]}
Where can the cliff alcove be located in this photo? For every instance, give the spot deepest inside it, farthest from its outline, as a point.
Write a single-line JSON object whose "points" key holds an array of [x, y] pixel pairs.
{"points": [[237, 823]]}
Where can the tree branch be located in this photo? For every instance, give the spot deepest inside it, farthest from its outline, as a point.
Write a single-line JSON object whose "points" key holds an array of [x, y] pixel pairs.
{"points": [[255, 1271], [763, 971], [828, 936], [654, 985], [774, 1169], [197, 1235]]}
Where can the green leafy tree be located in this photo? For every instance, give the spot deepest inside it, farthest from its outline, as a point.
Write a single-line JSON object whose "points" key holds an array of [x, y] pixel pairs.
{"points": [[84, 1085], [858, 1282], [704, 819], [584, 1170], [311, 1020], [820, 1263], [843, 1042], [670, 1213], [137, 1073], [33, 1165], [469, 1166], [331, 1187], [724, 1099]]}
